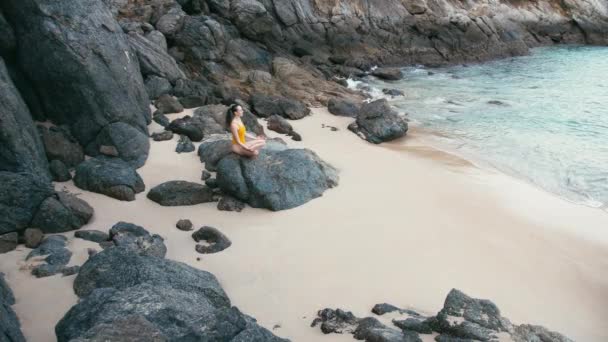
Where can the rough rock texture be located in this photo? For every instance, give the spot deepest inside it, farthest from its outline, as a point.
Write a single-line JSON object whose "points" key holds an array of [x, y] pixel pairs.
{"points": [[62, 213], [168, 105], [59, 171], [216, 240], [343, 107], [20, 196], [157, 86], [111, 177], [377, 122], [276, 179], [184, 145], [176, 193], [8, 242], [132, 328], [125, 141], [265, 106], [185, 225], [33, 237], [59, 144], [162, 136], [78, 48], [462, 319], [57, 256], [136, 238], [10, 328], [229, 203], [154, 59], [92, 235]]}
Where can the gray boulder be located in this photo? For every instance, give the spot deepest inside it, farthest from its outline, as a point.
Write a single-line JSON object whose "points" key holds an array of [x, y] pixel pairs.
{"points": [[184, 145], [265, 106], [111, 177], [62, 213], [8, 242], [343, 107], [276, 180], [57, 256], [168, 105], [370, 329], [160, 118], [132, 328], [33, 237], [138, 239], [229, 203], [157, 38], [215, 240], [213, 149], [59, 171], [377, 122], [187, 126], [184, 224], [162, 136], [122, 268], [130, 144], [279, 125], [391, 74], [78, 48], [536, 333], [59, 144], [20, 196], [10, 328], [92, 235], [176, 193], [157, 86]]}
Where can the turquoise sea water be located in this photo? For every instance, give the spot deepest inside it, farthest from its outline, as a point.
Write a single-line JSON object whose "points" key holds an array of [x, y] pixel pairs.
{"points": [[541, 117]]}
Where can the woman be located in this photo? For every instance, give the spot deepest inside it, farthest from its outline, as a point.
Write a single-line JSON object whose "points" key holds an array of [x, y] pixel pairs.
{"points": [[239, 145]]}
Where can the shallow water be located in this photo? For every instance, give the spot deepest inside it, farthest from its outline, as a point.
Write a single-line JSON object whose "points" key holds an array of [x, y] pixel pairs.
{"points": [[541, 117]]}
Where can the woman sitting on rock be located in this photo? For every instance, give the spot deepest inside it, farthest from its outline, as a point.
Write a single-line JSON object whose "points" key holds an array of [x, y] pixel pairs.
{"points": [[239, 145]]}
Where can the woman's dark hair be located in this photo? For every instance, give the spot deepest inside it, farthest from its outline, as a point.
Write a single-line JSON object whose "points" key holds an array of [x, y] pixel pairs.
{"points": [[230, 114]]}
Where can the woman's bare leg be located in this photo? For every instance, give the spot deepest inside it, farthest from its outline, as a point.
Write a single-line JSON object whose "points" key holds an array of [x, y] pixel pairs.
{"points": [[243, 152], [256, 144]]}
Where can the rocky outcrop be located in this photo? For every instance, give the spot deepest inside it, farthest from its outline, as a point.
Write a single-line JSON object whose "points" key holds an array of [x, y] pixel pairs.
{"points": [[78, 59], [162, 300], [462, 318], [377, 122], [10, 328], [276, 179]]}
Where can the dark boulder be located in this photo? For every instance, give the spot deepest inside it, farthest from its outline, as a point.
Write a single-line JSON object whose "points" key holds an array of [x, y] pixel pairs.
{"points": [[186, 126], [79, 61], [416, 325], [370, 329], [377, 122], [266, 105], [59, 144], [8, 242], [132, 328], [205, 175], [10, 328], [136, 238], [157, 86], [160, 118], [121, 268], [343, 107], [213, 149], [528, 332], [92, 235], [186, 87], [33, 237], [111, 177], [229, 203], [215, 240], [185, 225], [154, 59], [128, 143], [184, 145], [62, 213], [336, 321], [211, 183], [276, 179], [192, 101], [57, 256], [162, 136], [279, 125], [168, 104], [391, 74], [59, 171], [176, 193], [20, 196]]}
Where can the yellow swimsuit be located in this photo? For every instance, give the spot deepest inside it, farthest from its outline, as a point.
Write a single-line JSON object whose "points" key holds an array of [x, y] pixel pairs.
{"points": [[241, 132]]}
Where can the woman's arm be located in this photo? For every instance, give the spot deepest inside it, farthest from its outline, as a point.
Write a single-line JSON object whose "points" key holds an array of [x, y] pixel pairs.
{"points": [[234, 129]]}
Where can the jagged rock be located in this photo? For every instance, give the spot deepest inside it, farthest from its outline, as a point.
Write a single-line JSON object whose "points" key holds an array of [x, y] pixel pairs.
{"points": [[157, 86], [111, 177], [276, 179], [370, 329], [205, 175], [92, 235], [162, 136], [157, 38], [62, 213], [393, 92], [8, 242], [336, 321], [412, 324], [228, 203], [265, 106], [377, 122], [184, 145], [33, 237], [185, 225], [176, 193], [77, 57], [186, 87], [279, 125], [59, 171], [201, 39], [343, 107], [192, 101], [10, 328], [391, 74], [160, 118], [54, 247], [121, 268], [167, 104], [122, 141], [216, 241], [527, 332], [384, 308], [137, 238], [20, 196], [171, 22], [132, 328], [59, 144]]}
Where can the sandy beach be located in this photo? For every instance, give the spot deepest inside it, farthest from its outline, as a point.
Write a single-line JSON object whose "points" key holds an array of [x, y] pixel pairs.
{"points": [[406, 224]]}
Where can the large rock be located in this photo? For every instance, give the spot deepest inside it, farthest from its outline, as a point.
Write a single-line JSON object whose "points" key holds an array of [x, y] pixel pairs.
{"points": [[20, 196], [154, 59], [176, 193], [215, 240], [111, 177], [343, 107], [390, 74], [8, 242], [131, 145], [213, 149], [132, 328], [276, 180], [157, 86], [377, 122], [7, 37], [79, 61], [122, 268], [59, 171], [168, 105], [59, 144], [62, 213], [10, 329], [265, 106]]}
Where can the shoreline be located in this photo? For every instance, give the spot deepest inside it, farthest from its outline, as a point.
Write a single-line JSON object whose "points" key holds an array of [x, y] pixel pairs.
{"points": [[402, 228]]}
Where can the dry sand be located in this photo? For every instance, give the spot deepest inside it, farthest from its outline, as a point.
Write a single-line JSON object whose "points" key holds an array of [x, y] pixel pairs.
{"points": [[406, 224]]}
